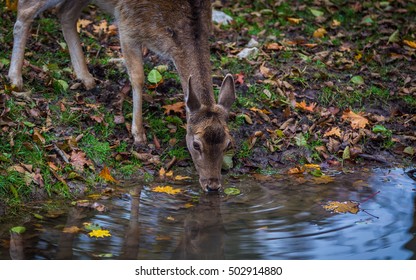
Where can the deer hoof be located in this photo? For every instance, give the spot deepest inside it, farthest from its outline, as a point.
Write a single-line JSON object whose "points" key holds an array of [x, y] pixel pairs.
{"points": [[89, 83]]}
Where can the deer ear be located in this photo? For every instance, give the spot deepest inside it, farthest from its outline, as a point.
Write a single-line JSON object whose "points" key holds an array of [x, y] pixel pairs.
{"points": [[227, 92], [191, 99]]}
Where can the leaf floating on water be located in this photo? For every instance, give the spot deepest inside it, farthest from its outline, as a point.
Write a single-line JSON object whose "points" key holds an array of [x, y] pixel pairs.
{"points": [[73, 229], [91, 226], [166, 189], [324, 179], [99, 233], [342, 207], [232, 191]]}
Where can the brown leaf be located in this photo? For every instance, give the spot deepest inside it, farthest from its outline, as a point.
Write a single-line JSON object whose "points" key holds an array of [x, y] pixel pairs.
{"points": [[335, 131], [274, 46], [79, 160], [37, 137], [72, 229], [342, 207], [357, 121]]}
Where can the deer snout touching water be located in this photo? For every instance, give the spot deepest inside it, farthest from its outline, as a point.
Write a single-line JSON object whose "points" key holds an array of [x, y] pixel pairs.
{"points": [[176, 29]]}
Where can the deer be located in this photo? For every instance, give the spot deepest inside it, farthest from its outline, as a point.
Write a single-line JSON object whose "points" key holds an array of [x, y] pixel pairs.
{"points": [[176, 29]]}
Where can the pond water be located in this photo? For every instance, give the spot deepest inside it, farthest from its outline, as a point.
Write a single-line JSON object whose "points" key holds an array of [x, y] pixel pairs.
{"points": [[273, 217]]}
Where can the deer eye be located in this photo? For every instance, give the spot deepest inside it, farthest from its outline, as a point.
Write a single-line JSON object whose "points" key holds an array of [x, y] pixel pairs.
{"points": [[197, 146]]}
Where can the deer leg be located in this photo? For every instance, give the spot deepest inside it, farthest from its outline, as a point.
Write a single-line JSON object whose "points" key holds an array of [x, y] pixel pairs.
{"points": [[68, 14], [132, 53], [27, 11]]}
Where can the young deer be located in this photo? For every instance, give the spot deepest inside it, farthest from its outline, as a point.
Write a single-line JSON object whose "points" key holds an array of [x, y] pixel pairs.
{"points": [[177, 29]]}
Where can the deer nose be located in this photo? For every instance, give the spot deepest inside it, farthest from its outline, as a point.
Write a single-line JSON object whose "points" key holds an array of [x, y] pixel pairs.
{"points": [[211, 185]]}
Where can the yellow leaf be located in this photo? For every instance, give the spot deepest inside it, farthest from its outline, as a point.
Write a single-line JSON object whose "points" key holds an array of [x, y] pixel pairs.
{"points": [[294, 20], [264, 111], [99, 233], [357, 121], [319, 33], [170, 218], [166, 189], [180, 178], [105, 174], [162, 172], [335, 23], [82, 23], [342, 207], [335, 131], [188, 205], [411, 44], [312, 166], [73, 229]]}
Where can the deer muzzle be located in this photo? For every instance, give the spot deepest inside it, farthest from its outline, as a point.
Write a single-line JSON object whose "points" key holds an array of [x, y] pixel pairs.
{"points": [[211, 184]]}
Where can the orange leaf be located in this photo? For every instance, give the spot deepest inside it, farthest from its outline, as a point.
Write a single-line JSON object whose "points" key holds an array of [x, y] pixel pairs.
{"points": [[274, 46], [302, 105], [411, 44], [106, 175], [177, 107], [357, 121], [296, 170], [294, 20]]}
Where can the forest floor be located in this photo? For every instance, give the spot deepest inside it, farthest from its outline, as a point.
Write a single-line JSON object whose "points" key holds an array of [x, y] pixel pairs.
{"points": [[330, 83]]}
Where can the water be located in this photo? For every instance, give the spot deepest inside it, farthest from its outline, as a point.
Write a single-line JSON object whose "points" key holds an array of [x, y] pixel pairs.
{"points": [[274, 217]]}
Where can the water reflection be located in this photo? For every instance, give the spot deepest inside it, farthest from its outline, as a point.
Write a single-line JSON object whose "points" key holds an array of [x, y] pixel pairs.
{"points": [[273, 218]]}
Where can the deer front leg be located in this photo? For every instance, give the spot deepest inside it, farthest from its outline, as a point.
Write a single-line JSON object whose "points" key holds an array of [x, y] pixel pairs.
{"points": [[69, 13], [132, 53], [26, 13]]}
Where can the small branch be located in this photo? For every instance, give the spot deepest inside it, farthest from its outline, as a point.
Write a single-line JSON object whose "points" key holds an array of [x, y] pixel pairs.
{"points": [[370, 197]]}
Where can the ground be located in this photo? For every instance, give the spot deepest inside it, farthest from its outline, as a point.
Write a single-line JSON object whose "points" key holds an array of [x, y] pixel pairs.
{"points": [[329, 82]]}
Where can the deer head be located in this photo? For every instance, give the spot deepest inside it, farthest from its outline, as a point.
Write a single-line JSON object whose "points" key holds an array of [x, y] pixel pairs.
{"points": [[207, 135]]}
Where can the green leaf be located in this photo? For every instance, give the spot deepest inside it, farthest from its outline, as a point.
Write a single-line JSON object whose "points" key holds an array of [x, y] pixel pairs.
{"points": [[29, 124], [4, 62], [346, 154], [358, 80], [232, 191], [378, 128], [38, 216], [61, 86], [18, 229], [154, 76], [316, 173], [91, 226], [395, 37], [316, 13], [301, 140]]}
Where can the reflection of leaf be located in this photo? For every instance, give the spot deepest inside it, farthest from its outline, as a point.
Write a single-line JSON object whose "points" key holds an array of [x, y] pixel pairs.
{"points": [[342, 207], [99, 233], [166, 189], [324, 179], [232, 191]]}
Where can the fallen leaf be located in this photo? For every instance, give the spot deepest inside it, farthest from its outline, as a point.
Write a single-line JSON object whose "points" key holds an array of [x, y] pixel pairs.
{"points": [[79, 160], [296, 170], [357, 121], [82, 23], [180, 178], [342, 207], [335, 23], [232, 191], [177, 107], [99, 233], [166, 189], [411, 44], [294, 20], [72, 229], [239, 78], [324, 179], [335, 131], [106, 175], [274, 46], [358, 80], [303, 106], [319, 33]]}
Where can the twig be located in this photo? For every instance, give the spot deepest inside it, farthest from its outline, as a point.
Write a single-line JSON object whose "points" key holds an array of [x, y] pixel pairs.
{"points": [[61, 153], [171, 163]]}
